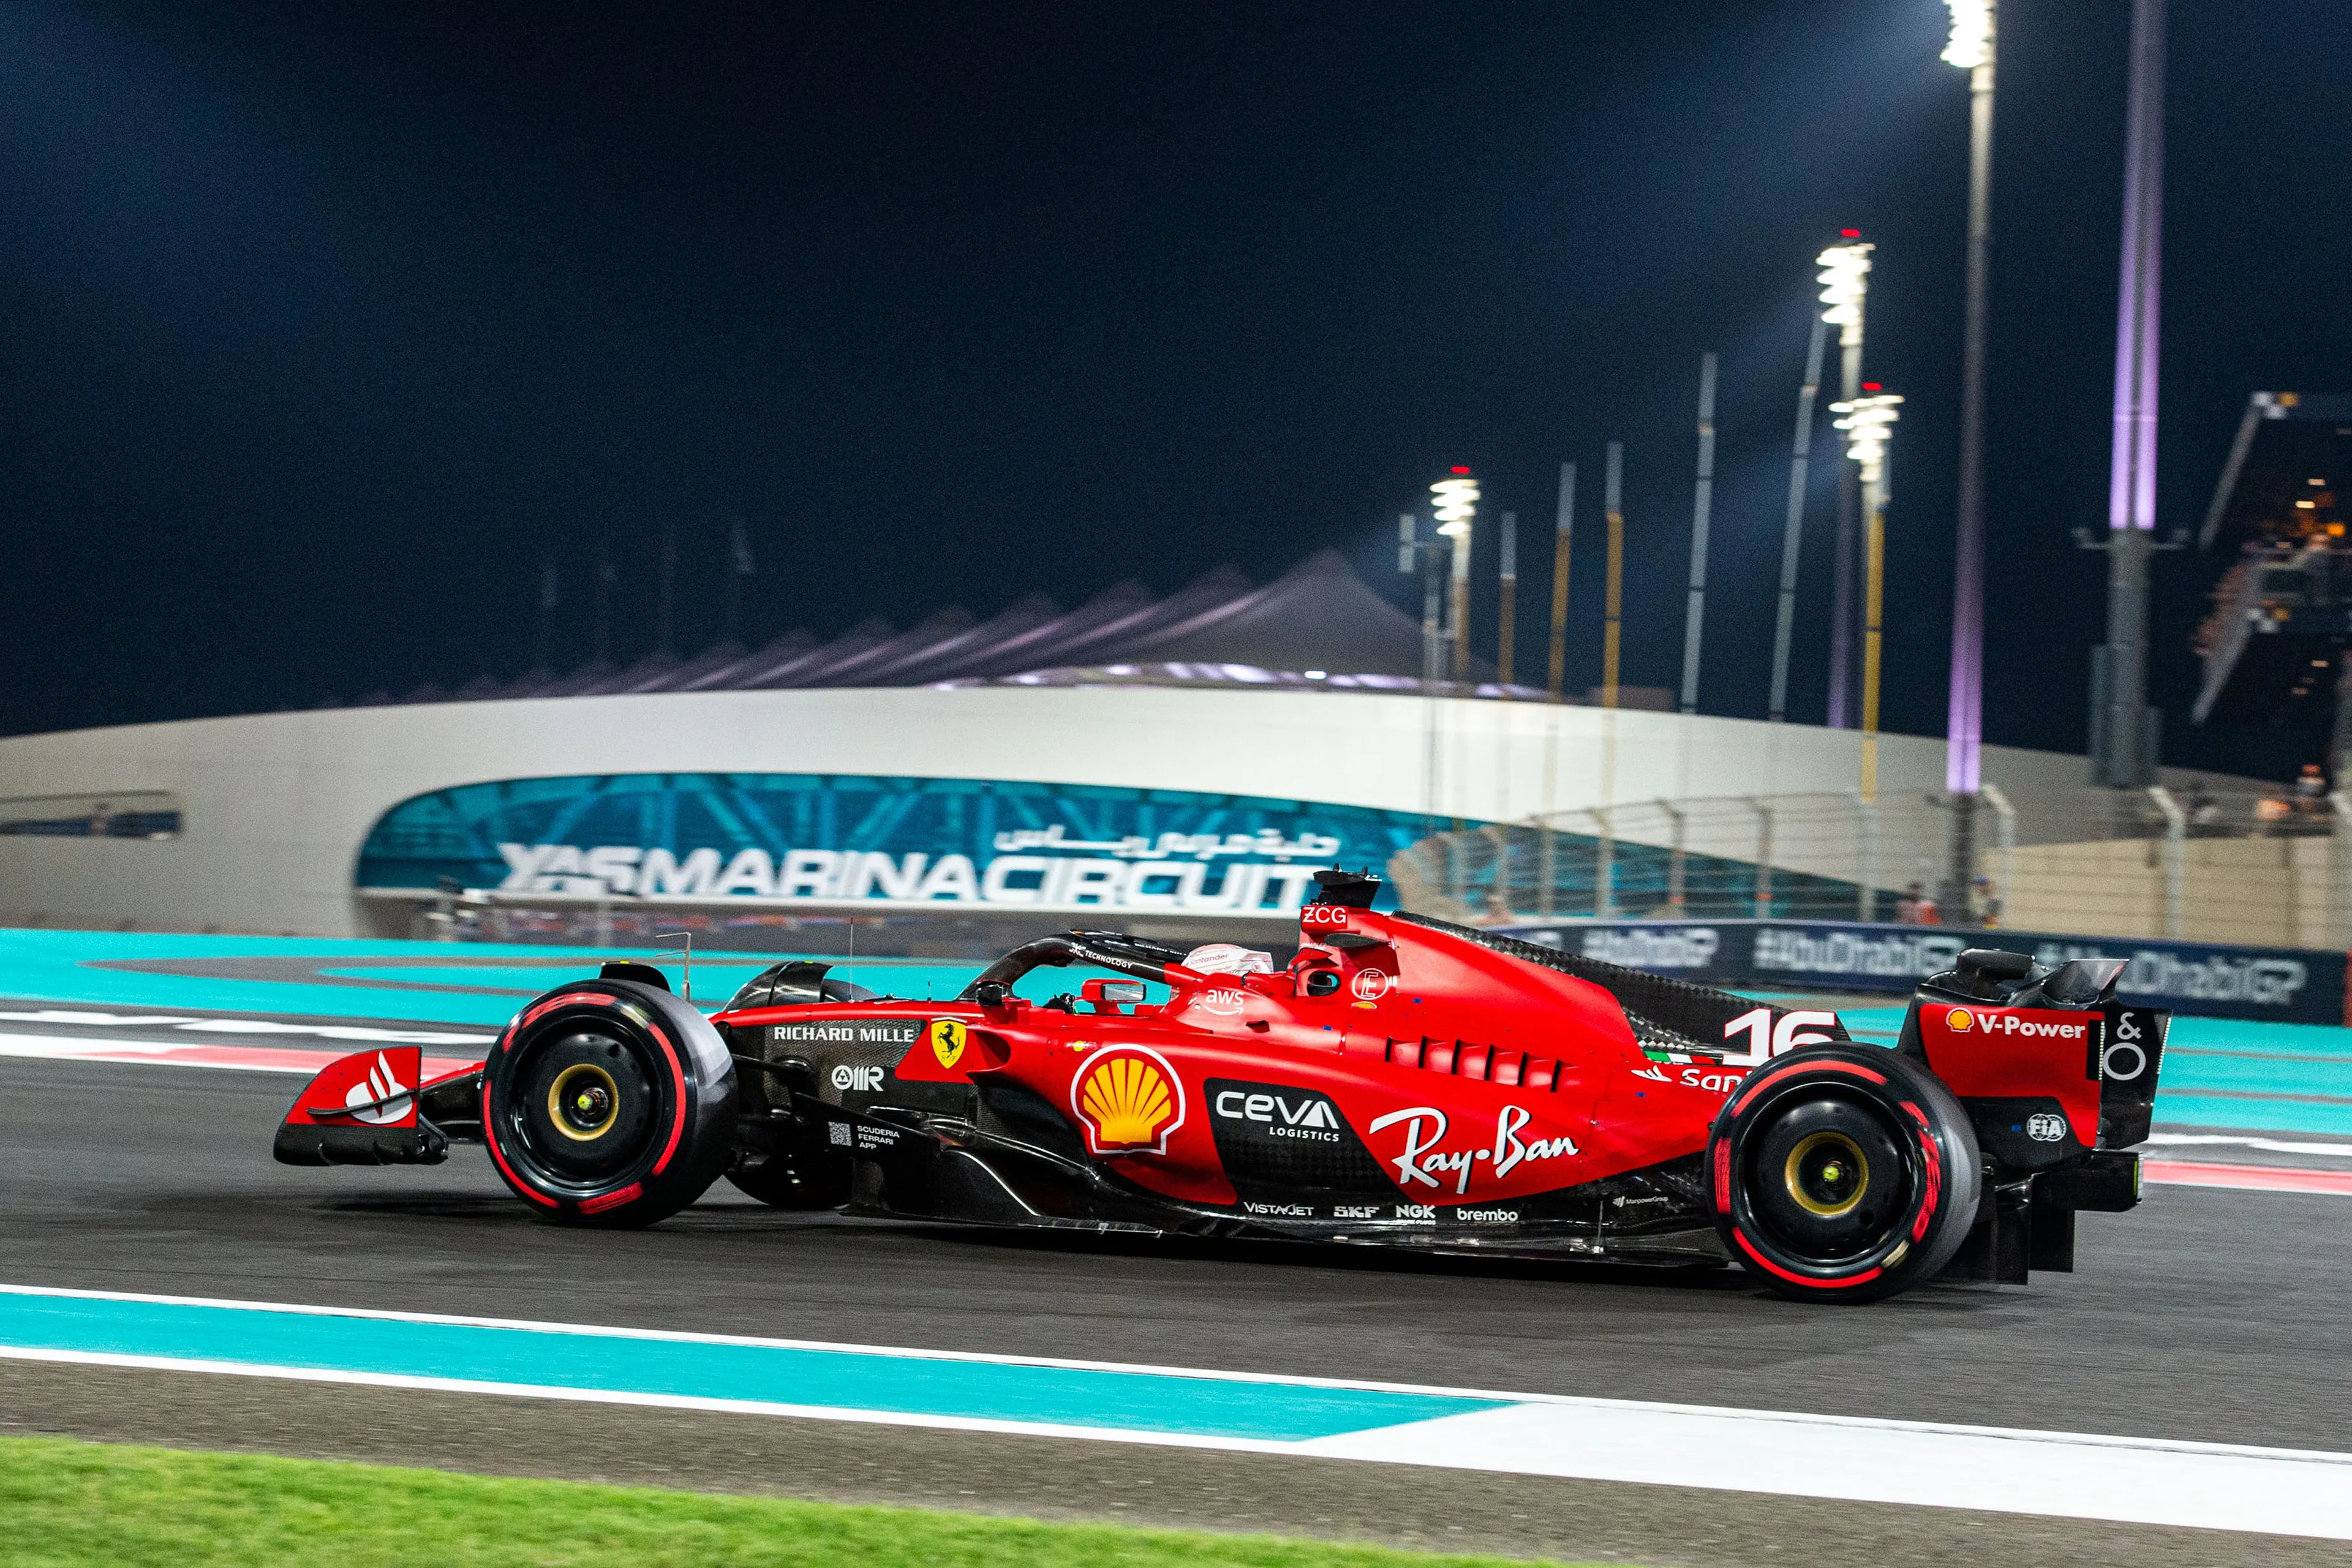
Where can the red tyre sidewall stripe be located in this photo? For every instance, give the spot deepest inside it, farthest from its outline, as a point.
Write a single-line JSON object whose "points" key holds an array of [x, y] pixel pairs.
{"points": [[1748, 1096], [677, 1077], [613, 1200], [553, 1002], [1723, 1178], [491, 1137], [1931, 1155], [1769, 1265]]}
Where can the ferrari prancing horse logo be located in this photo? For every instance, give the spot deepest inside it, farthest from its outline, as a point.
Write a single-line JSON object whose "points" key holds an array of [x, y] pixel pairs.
{"points": [[947, 1040]]}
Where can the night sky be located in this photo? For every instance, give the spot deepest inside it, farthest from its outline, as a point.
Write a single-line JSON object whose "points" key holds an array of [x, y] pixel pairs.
{"points": [[322, 327]]}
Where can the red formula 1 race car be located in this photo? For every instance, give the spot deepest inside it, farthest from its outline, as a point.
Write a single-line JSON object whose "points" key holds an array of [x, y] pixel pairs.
{"points": [[1404, 1082]]}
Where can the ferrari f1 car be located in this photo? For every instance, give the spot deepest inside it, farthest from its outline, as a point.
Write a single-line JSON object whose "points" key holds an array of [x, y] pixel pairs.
{"points": [[1402, 1082]]}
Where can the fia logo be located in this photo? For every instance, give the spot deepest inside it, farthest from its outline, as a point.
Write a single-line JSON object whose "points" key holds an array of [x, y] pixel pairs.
{"points": [[2045, 1127]]}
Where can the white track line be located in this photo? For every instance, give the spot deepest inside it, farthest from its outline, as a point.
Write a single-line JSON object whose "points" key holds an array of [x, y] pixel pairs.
{"points": [[2212, 1486], [2268, 1146]]}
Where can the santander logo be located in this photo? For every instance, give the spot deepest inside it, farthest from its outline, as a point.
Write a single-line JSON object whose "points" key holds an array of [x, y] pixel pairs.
{"points": [[381, 1085]]}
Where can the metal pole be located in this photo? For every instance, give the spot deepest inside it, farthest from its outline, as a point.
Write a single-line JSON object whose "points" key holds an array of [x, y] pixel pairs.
{"points": [[1433, 672], [2006, 814], [666, 616], [1562, 541], [1842, 605], [1763, 856], [1547, 866], [1701, 508], [2175, 860], [1964, 723], [1800, 464], [1460, 608], [606, 578], [1505, 661], [1677, 861], [1874, 597], [1614, 607], [2125, 753], [1866, 900], [549, 595], [1433, 636], [1604, 867]]}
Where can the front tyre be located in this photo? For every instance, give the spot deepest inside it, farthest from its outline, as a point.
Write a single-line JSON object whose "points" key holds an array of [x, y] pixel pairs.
{"points": [[609, 1102], [1843, 1173]]}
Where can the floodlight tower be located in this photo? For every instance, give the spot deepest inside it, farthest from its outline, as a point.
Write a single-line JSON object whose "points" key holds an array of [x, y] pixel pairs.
{"points": [[1455, 499], [1971, 47], [1845, 288], [1868, 422]]}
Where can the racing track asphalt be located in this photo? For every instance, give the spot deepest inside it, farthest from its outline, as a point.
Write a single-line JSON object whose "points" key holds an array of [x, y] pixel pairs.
{"points": [[2206, 1315]]}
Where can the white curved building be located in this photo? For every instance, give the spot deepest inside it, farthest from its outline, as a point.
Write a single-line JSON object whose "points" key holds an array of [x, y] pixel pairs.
{"points": [[273, 811]]}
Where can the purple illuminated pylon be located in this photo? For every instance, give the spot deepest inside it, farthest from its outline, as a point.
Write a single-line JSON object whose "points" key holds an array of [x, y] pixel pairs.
{"points": [[2124, 727], [2131, 480]]}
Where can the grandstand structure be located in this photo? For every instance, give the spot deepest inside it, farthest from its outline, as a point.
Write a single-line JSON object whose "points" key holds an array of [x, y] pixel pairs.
{"points": [[1318, 623], [1176, 766], [2273, 643]]}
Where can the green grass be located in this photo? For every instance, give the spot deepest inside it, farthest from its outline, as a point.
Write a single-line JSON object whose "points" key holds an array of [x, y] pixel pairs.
{"points": [[71, 1502]]}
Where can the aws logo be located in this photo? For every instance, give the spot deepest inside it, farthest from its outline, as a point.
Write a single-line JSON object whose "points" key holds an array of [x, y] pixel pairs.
{"points": [[1128, 1100]]}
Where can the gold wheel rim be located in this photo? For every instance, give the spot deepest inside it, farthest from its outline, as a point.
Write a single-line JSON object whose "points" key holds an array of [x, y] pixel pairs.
{"points": [[1833, 1158], [583, 1102]]}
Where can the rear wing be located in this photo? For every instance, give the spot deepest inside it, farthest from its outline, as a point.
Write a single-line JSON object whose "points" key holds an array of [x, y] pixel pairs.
{"points": [[2049, 1064]]}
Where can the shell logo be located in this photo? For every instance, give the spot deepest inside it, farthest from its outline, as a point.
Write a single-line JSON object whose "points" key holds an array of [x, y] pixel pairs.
{"points": [[1959, 1020], [1128, 1100]]}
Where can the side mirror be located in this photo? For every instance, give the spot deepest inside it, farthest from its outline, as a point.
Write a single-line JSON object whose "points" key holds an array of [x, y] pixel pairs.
{"points": [[1100, 991], [990, 993]]}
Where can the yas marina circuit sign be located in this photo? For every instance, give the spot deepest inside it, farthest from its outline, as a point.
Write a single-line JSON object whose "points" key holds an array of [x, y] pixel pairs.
{"points": [[810, 839]]}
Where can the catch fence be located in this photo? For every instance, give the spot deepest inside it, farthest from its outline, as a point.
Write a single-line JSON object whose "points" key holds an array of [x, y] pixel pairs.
{"points": [[2263, 868]]}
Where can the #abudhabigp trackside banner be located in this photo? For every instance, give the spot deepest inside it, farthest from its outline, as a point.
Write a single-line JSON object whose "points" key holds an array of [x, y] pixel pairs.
{"points": [[2204, 979], [825, 838]]}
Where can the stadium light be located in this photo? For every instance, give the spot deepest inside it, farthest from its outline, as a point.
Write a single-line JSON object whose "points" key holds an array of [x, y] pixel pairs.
{"points": [[1970, 45], [1455, 500], [1866, 426], [1845, 285]]}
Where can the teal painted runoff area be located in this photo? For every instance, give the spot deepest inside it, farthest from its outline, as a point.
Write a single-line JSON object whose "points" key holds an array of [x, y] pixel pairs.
{"points": [[2217, 1072], [617, 1362]]}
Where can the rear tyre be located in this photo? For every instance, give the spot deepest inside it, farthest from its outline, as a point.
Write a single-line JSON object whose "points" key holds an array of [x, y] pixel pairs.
{"points": [[1843, 1173], [609, 1103]]}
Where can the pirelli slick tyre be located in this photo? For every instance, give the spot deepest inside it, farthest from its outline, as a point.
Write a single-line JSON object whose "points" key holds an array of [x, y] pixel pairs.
{"points": [[1843, 1173], [609, 1102]]}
